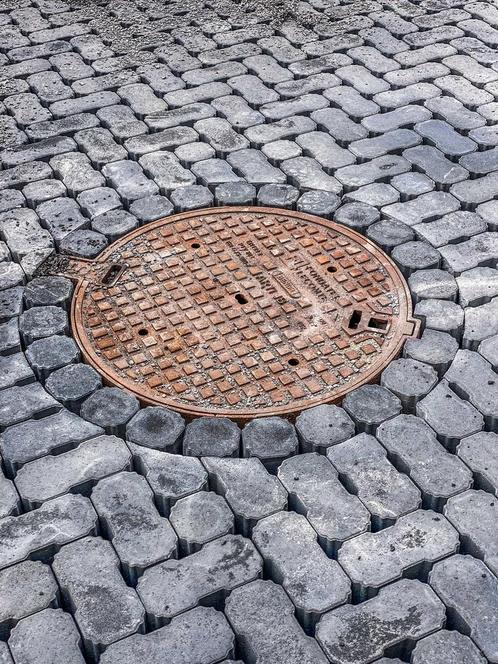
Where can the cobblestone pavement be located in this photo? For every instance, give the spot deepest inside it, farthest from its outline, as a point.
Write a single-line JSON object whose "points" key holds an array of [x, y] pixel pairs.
{"points": [[364, 533]]}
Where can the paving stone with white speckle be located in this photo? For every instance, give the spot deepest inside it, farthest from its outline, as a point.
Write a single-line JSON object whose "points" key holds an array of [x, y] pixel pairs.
{"points": [[270, 439], [156, 427], [469, 589], [128, 516], [47, 636], [403, 610], [213, 436], [175, 586], [86, 570], [370, 405], [322, 426], [363, 466], [40, 533], [409, 380], [262, 616], [416, 540], [480, 453], [445, 647], [248, 488], [413, 448]]}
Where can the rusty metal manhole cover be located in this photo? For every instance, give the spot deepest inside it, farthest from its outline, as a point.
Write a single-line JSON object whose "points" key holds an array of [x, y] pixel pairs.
{"points": [[239, 312]]}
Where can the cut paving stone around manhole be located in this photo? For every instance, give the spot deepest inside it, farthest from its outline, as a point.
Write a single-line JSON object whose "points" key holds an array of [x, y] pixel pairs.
{"points": [[239, 312]]}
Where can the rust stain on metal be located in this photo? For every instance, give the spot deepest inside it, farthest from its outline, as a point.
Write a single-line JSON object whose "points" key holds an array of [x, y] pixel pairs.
{"points": [[240, 312]]}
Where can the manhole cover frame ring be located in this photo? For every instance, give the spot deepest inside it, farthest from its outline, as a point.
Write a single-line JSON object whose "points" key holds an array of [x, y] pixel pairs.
{"points": [[409, 329]]}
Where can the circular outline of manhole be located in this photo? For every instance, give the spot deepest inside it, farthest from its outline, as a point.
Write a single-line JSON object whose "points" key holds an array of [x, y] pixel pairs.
{"points": [[307, 293]]}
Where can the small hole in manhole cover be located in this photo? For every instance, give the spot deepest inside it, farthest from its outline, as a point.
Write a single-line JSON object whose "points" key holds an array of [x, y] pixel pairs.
{"points": [[255, 324]]}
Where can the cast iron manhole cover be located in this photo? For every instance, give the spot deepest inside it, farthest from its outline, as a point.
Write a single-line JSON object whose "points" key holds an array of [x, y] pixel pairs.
{"points": [[240, 312]]}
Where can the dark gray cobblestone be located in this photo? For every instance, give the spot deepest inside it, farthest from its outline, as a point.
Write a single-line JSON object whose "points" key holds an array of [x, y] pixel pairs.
{"points": [[378, 115]]}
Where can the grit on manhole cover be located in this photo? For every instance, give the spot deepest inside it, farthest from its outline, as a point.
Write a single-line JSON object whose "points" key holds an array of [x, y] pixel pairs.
{"points": [[240, 312]]}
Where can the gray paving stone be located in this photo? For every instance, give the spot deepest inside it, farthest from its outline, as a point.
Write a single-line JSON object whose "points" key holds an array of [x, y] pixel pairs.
{"points": [[389, 233], [435, 165], [238, 112], [11, 275], [209, 575], [10, 341], [262, 616], [469, 590], [202, 517], [473, 192], [83, 243], [128, 179], [26, 588], [47, 636], [488, 212], [411, 545], [72, 384], [479, 324], [48, 291], [156, 427], [75, 471], [24, 174], [489, 350], [455, 113], [51, 353], [190, 153], [20, 403], [473, 514], [162, 140], [11, 303], [151, 208], [451, 418], [213, 436], [480, 453], [441, 315], [365, 471], [270, 439], [22, 232], [451, 228], [200, 93], [201, 635], [191, 197], [323, 426], [409, 380], [412, 184], [114, 223], [87, 569], [442, 477], [294, 559], [130, 520], [171, 476], [445, 647], [98, 200], [371, 405], [472, 378], [255, 168], [277, 195], [321, 203], [374, 170], [275, 131], [40, 533], [122, 123], [166, 171], [428, 284], [10, 504], [35, 438], [235, 193], [444, 137], [85, 104], [479, 250], [351, 102], [40, 322], [405, 610], [279, 110], [14, 370], [61, 216], [100, 147], [26, 109], [251, 492]]}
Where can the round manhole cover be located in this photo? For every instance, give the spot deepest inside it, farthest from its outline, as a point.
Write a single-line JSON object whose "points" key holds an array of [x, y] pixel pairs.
{"points": [[240, 312]]}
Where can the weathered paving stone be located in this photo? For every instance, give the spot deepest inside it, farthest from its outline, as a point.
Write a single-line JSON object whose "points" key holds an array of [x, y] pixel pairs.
{"points": [[321, 203], [389, 233], [423, 208], [129, 518], [441, 315], [72, 384], [432, 284], [248, 488], [358, 216], [414, 449], [190, 153], [185, 637], [451, 228], [211, 436], [51, 353], [238, 112], [10, 504], [75, 471], [35, 438], [114, 223], [200, 518], [371, 405], [323, 426], [363, 467], [151, 208], [110, 408], [47, 636], [444, 137], [83, 243], [472, 378], [20, 403], [171, 476], [11, 303], [10, 341], [436, 166], [278, 195], [488, 212], [409, 380], [88, 571], [14, 370], [166, 171], [294, 559], [255, 168], [122, 123], [161, 140], [470, 591], [48, 291], [26, 588], [128, 178], [479, 324], [480, 250], [374, 170], [410, 546], [473, 514], [61, 216], [412, 184], [156, 427], [451, 418], [175, 586], [11, 275], [235, 193], [22, 232], [480, 453], [445, 647], [307, 174], [315, 491], [275, 131], [403, 611], [270, 439], [191, 197], [40, 533], [262, 616]]}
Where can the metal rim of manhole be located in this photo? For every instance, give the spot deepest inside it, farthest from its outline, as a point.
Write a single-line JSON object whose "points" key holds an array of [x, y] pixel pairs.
{"points": [[239, 312]]}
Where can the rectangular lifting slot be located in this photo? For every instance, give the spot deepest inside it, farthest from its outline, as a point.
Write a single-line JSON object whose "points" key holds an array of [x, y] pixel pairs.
{"points": [[378, 323], [112, 274], [355, 319]]}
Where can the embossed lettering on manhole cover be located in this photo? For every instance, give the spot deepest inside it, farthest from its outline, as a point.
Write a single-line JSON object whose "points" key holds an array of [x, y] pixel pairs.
{"points": [[239, 312]]}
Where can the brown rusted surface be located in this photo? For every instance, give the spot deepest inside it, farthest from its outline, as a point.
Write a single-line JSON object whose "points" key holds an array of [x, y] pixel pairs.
{"points": [[240, 312]]}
